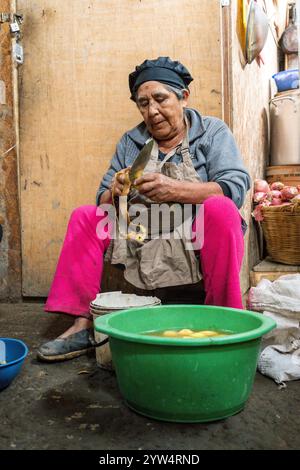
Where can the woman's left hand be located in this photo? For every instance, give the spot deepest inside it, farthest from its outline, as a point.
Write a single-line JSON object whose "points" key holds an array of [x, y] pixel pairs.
{"points": [[158, 187]]}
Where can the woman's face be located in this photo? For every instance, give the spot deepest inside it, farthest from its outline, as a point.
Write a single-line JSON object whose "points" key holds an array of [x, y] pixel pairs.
{"points": [[162, 111]]}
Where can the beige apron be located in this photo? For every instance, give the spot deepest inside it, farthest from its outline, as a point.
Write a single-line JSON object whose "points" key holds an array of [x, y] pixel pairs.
{"points": [[158, 262]]}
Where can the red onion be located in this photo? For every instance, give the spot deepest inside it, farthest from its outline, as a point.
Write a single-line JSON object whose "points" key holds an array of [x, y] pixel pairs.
{"points": [[266, 203], [298, 187], [274, 194], [288, 192], [257, 213], [276, 201], [261, 186], [296, 198], [277, 186], [259, 197]]}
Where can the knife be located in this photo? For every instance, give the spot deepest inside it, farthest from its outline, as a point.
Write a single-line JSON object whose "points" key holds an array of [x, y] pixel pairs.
{"points": [[141, 161]]}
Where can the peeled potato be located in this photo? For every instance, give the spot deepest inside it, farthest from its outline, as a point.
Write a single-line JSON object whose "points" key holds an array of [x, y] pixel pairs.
{"points": [[210, 333], [138, 237], [136, 176], [199, 334], [170, 334], [185, 332]]}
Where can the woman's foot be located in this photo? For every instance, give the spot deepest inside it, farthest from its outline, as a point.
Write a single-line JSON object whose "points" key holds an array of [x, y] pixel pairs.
{"points": [[78, 325], [74, 342]]}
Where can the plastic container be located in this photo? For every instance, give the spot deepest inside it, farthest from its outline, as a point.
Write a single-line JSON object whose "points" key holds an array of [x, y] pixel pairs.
{"points": [[109, 302], [185, 380], [285, 125], [287, 80], [285, 128], [13, 352]]}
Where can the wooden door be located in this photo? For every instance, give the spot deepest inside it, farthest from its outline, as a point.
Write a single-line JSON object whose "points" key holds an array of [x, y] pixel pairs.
{"points": [[74, 101]]}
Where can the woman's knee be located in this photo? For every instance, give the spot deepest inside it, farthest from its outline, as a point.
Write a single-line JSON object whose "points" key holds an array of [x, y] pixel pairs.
{"points": [[221, 210], [86, 212]]}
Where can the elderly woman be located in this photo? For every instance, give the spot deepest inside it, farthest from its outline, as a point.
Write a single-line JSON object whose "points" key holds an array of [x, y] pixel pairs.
{"points": [[194, 160]]}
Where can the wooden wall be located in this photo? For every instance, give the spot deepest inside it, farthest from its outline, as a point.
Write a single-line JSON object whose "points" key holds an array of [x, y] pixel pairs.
{"points": [[10, 247], [250, 110], [74, 100]]}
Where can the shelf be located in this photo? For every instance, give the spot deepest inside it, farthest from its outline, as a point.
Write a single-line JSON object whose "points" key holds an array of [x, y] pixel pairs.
{"points": [[268, 269]]}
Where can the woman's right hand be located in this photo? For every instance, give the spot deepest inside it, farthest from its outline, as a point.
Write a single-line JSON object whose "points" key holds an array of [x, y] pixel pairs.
{"points": [[120, 183]]}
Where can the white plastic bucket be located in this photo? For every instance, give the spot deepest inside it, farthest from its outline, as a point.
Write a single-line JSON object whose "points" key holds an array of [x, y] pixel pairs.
{"points": [[285, 121], [109, 302]]}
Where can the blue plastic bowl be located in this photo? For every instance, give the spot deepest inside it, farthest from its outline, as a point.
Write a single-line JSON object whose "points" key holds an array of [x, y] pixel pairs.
{"points": [[13, 352], [287, 80]]}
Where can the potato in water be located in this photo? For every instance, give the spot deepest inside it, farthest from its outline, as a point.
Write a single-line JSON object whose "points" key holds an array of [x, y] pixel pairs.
{"points": [[186, 333], [205, 333], [170, 334]]}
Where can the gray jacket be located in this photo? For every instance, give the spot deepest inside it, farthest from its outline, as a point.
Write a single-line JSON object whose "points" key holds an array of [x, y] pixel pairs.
{"points": [[212, 147]]}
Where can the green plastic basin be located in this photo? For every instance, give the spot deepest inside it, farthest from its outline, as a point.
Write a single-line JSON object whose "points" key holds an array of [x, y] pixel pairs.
{"points": [[185, 380]]}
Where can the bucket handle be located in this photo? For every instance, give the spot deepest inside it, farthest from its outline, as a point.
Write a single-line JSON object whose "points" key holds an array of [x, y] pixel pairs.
{"points": [[101, 343], [289, 98], [281, 98]]}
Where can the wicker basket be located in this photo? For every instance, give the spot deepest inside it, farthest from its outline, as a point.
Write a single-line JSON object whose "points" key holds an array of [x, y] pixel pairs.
{"points": [[286, 174], [281, 227]]}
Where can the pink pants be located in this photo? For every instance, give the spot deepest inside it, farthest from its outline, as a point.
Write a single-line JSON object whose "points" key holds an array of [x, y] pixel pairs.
{"points": [[79, 270]]}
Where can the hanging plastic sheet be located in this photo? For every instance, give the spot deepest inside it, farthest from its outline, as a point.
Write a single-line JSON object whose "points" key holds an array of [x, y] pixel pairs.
{"points": [[256, 32]]}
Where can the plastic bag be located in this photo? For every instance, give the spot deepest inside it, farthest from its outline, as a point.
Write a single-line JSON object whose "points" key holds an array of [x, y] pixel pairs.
{"points": [[280, 300], [280, 356], [281, 296]]}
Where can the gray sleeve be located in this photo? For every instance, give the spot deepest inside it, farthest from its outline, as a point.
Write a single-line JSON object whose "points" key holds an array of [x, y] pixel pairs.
{"points": [[224, 164], [117, 163]]}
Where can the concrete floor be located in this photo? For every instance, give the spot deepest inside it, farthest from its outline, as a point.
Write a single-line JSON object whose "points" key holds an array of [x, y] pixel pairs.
{"points": [[76, 405]]}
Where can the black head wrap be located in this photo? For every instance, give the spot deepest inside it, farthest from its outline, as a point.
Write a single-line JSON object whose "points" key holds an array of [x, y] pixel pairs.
{"points": [[163, 70]]}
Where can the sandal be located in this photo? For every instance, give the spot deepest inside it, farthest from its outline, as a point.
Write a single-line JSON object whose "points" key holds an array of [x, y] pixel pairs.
{"points": [[61, 349]]}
